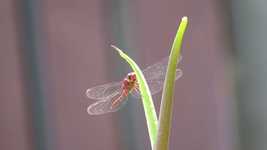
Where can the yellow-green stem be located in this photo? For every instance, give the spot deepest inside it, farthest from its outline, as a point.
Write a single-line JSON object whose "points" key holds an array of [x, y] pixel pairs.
{"points": [[166, 107]]}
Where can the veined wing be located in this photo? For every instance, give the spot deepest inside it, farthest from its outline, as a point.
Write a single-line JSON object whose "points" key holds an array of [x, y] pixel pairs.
{"points": [[104, 91], [155, 75], [157, 70], [105, 106], [156, 85]]}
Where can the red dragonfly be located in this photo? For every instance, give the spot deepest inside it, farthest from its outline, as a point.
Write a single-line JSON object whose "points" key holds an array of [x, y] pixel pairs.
{"points": [[111, 96]]}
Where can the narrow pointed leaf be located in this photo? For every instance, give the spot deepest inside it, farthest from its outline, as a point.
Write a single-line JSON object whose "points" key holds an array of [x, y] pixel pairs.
{"points": [[150, 113], [165, 117]]}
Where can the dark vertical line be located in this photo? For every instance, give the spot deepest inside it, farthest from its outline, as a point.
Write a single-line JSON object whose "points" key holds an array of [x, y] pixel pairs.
{"points": [[250, 35], [28, 23]]}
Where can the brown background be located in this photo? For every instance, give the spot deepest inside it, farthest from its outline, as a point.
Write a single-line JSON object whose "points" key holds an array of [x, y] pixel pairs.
{"points": [[74, 54]]}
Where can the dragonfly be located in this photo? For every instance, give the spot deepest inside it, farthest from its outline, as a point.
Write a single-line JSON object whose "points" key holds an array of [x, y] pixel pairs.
{"points": [[112, 96]]}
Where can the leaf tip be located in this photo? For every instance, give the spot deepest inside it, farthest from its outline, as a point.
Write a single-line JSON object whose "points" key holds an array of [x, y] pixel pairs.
{"points": [[117, 49], [185, 18]]}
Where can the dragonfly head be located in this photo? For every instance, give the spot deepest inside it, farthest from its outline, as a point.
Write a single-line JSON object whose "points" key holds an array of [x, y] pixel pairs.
{"points": [[130, 81], [131, 77]]}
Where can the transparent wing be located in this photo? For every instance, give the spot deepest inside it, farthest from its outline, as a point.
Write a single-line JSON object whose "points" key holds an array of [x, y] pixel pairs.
{"points": [[106, 105], [104, 91], [156, 85], [157, 70]]}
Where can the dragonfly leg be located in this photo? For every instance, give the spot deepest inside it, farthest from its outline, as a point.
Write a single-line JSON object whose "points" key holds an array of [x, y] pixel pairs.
{"points": [[136, 88], [135, 92]]}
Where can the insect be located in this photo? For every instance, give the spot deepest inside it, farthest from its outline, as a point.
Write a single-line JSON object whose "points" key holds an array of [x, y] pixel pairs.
{"points": [[112, 96]]}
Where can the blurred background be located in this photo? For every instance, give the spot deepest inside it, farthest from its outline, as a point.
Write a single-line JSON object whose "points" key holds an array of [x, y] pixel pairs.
{"points": [[51, 51]]}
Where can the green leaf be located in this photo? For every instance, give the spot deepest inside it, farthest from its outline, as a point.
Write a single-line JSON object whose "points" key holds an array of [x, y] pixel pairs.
{"points": [[166, 107], [150, 113]]}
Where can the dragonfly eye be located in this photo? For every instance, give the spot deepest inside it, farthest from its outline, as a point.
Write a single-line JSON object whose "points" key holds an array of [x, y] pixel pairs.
{"points": [[134, 77], [129, 77]]}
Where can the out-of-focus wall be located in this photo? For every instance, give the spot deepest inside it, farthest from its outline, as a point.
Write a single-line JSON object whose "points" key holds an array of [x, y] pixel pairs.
{"points": [[76, 55], [14, 133], [249, 23]]}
